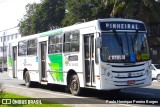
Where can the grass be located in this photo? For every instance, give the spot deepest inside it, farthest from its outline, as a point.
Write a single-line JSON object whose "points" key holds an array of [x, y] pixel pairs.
{"points": [[20, 97]]}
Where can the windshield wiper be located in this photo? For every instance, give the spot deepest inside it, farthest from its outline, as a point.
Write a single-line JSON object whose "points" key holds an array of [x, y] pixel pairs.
{"points": [[134, 45], [119, 40]]}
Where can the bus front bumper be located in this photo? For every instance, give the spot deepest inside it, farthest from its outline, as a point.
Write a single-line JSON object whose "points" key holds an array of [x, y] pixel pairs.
{"points": [[112, 84]]}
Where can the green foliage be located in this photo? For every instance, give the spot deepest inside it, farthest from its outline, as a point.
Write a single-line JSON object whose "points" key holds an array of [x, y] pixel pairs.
{"points": [[1, 90], [42, 17], [146, 10], [80, 10], [25, 23], [50, 14]]}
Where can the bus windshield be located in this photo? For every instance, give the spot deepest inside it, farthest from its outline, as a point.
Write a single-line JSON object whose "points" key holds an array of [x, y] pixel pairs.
{"points": [[124, 47]]}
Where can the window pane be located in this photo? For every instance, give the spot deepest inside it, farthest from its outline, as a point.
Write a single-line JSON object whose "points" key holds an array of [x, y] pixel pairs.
{"points": [[67, 37], [74, 47], [75, 41], [67, 47], [59, 38], [52, 40], [22, 48], [32, 47], [58, 48], [71, 41], [75, 36], [51, 49]]}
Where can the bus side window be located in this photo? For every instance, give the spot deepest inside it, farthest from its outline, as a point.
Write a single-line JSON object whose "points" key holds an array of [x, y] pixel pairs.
{"points": [[22, 48], [71, 41], [55, 44], [32, 47]]}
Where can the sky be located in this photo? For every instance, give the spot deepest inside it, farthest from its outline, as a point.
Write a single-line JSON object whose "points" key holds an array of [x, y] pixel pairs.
{"points": [[12, 11]]}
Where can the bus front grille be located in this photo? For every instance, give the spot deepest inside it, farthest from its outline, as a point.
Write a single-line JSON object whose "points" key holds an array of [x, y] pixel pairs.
{"points": [[128, 71]]}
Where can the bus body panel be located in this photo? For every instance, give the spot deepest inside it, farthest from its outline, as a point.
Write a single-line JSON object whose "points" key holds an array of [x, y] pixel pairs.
{"points": [[31, 64]]}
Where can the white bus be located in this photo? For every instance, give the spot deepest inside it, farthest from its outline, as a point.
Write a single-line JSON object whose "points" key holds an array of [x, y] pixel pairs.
{"points": [[104, 54]]}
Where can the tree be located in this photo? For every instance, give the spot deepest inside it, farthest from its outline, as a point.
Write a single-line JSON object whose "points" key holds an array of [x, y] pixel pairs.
{"points": [[42, 17], [78, 10], [146, 10], [25, 23], [56, 13]]}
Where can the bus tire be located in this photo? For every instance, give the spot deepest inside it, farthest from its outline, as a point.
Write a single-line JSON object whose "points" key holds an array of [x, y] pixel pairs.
{"points": [[28, 83], [74, 85], [158, 77]]}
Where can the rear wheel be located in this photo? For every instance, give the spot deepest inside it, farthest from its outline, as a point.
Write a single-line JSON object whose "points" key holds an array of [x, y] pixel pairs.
{"points": [[158, 77], [74, 85], [28, 83]]}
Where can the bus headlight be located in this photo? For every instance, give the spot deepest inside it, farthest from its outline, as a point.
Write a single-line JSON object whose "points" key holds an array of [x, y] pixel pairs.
{"points": [[108, 71], [109, 74]]}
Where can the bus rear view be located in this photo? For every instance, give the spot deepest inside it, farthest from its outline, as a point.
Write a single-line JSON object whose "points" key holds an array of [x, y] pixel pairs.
{"points": [[123, 52]]}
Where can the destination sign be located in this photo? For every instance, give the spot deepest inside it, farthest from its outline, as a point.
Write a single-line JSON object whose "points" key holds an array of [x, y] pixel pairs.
{"points": [[122, 26]]}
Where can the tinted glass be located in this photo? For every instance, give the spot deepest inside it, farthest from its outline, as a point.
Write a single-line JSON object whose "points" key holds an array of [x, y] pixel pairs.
{"points": [[157, 66], [119, 47]]}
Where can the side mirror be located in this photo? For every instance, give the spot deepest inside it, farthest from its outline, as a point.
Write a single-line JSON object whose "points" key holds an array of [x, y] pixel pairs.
{"points": [[98, 42]]}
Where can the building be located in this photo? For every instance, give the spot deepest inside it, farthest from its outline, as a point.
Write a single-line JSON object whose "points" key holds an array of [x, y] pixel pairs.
{"points": [[5, 36]]}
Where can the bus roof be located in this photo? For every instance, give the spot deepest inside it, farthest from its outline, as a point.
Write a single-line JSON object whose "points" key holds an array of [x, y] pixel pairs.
{"points": [[94, 23]]}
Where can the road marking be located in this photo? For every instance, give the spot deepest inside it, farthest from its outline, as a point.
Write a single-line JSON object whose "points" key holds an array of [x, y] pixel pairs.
{"points": [[128, 105], [140, 93]]}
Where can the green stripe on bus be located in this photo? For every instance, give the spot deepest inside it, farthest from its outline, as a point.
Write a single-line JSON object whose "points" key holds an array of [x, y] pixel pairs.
{"points": [[56, 65], [10, 60], [51, 33]]}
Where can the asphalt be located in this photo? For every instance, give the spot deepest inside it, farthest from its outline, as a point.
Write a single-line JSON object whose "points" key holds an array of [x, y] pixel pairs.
{"points": [[90, 99]]}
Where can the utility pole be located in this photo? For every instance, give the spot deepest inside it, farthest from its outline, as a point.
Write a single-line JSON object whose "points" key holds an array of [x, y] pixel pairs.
{"points": [[3, 52]]}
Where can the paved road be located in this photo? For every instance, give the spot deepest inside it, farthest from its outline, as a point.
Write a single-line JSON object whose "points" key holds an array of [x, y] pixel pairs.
{"points": [[89, 97]]}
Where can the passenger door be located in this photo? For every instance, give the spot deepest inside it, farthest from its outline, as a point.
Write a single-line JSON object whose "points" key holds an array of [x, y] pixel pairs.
{"points": [[14, 61], [43, 50], [89, 59]]}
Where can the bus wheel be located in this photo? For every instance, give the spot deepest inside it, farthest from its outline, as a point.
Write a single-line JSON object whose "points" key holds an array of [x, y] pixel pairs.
{"points": [[28, 83], [158, 77], [74, 85]]}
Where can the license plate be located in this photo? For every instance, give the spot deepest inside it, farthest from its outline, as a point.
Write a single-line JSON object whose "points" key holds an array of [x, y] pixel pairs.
{"points": [[131, 82]]}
